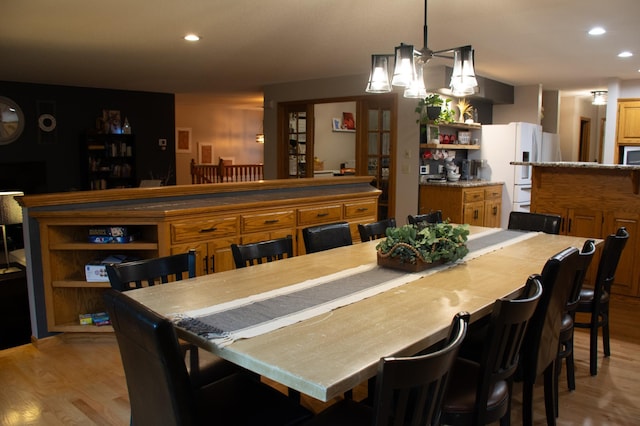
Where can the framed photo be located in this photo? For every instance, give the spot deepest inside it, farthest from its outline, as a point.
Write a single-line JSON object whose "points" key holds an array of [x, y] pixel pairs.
{"points": [[336, 124], [183, 139], [205, 153]]}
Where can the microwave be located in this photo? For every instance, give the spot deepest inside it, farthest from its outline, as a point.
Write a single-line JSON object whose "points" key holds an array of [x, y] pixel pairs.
{"points": [[631, 155]]}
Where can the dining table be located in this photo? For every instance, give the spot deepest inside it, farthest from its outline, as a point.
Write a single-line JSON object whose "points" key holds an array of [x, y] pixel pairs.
{"points": [[323, 349]]}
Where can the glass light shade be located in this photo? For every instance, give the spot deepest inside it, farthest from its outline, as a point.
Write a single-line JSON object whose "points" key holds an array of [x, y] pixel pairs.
{"points": [[463, 78], [260, 137], [403, 73], [10, 210], [599, 97], [379, 77], [417, 88]]}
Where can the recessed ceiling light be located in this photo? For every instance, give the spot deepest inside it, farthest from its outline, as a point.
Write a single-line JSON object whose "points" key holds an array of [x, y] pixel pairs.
{"points": [[597, 31], [625, 54], [191, 37]]}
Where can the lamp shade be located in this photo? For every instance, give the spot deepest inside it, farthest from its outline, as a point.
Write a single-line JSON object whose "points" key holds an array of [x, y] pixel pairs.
{"points": [[463, 78], [404, 70], [599, 97], [417, 88], [10, 210], [379, 77]]}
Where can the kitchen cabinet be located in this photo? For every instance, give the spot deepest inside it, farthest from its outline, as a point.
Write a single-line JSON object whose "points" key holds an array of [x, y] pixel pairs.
{"points": [[174, 219], [594, 200], [473, 204], [628, 126]]}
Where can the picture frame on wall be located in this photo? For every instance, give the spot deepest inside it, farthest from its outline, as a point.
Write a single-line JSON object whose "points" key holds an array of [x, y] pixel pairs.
{"points": [[183, 139], [205, 153]]}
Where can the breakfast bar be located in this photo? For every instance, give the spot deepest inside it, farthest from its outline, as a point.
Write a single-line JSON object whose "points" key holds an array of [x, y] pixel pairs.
{"points": [[594, 200]]}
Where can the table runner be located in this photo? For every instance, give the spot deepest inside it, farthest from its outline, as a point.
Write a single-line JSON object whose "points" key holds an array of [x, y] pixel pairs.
{"points": [[261, 313]]}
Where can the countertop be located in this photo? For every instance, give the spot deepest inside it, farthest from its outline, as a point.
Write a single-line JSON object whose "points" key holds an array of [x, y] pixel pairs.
{"points": [[463, 183], [577, 165]]}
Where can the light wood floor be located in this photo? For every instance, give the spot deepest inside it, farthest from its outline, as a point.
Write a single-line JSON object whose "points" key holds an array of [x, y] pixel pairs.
{"points": [[81, 381]]}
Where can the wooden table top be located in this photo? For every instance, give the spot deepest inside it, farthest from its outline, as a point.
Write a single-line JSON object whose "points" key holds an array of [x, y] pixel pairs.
{"points": [[329, 354]]}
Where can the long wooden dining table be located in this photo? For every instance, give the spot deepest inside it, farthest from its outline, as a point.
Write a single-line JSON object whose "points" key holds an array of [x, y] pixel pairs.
{"points": [[331, 353]]}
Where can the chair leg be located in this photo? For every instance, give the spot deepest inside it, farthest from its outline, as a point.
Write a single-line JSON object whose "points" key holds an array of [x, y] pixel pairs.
{"points": [[605, 333], [571, 374], [550, 388], [527, 403], [593, 349]]}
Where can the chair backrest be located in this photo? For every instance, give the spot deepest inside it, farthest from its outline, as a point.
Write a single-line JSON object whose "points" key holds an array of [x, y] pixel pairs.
{"points": [[255, 253], [410, 390], [325, 237], [613, 246], [375, 230], [129, 275], [540, 346], [505, 333], [525, 221], [586, 255], [155, 371], [434, 216]]}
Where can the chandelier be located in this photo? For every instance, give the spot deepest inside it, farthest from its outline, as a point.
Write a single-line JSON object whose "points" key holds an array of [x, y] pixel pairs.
{"points": [[408, 69]]}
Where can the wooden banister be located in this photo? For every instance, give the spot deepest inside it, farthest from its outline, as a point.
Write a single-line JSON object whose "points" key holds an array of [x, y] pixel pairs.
{"points": [[209, 173]]}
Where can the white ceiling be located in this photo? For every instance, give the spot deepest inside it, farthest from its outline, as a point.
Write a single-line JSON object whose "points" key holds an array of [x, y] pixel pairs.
{"points": [[138, 45]]}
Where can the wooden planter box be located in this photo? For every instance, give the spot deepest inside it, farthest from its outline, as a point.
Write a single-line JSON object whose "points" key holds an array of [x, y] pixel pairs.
{"points": [[395, 263]]}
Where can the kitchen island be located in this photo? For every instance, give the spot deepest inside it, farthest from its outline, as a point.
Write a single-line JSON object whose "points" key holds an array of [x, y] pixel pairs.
{"points": [[594, 200]]}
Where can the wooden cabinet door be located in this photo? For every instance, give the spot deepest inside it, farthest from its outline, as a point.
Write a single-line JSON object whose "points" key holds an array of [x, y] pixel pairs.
{"points": [[628, 131], [473, 213], [211, 256], [492, 213], [584, 223], [628, 272]]}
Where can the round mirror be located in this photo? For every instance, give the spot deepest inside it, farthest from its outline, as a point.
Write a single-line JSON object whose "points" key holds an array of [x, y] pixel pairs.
{"points": [[11, 121]]}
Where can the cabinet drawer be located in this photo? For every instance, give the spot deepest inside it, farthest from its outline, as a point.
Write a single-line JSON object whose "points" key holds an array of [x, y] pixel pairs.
{"points": [[522, 193], [203, 229], [473, 195], [492, 192], [320, 214], [352, 210], [267, 221]]}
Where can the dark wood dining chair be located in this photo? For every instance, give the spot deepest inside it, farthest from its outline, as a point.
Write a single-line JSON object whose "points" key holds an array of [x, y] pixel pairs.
{"points": [[326, 237], [595, 301], [540, 346], [147, 272], [565, 351], [375, 230], [479, 391], [408, 390], [161, 391], [256, 253], [434, 216], [126, 276], [525, 221]]}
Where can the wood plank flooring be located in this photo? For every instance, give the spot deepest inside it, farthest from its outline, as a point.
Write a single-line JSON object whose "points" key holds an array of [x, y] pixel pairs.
{"points": [[81, 381]]}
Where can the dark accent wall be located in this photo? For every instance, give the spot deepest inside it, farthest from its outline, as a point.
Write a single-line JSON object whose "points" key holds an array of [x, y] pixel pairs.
{"points": [[54, 162]]}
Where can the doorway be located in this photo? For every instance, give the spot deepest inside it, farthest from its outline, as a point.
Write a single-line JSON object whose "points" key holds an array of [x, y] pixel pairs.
{"points": [[375, 142], [584, 153]]}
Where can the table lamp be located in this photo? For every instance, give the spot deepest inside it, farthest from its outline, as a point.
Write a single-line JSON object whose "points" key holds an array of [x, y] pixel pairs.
{"points": [[10, 214]]}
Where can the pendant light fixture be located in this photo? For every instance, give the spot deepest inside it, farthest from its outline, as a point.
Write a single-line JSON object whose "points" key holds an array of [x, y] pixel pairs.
{"points": [[408, 69], [599, 97]]}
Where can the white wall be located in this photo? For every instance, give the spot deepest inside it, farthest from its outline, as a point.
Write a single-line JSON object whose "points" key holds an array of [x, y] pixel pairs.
{"points": [[526, 107], [333, 148], [231, 128]]}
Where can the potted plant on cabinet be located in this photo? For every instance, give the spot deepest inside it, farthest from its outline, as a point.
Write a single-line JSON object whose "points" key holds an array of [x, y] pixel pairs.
{"points": [[417, 247], [429, 108]]}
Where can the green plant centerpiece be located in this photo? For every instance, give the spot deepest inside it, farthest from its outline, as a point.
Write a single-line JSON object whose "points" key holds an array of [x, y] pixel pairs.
{"points": [[416, 247]]}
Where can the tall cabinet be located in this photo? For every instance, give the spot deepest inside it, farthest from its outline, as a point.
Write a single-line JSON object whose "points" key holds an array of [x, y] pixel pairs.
{"points": [[109, 161]]}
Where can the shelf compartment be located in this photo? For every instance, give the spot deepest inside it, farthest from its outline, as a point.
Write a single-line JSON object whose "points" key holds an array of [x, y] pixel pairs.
{"points": [[448, 146], [79, 284]]}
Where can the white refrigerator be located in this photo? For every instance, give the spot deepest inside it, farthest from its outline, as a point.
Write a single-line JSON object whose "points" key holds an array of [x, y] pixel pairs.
{"points": [[501, 144]]}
